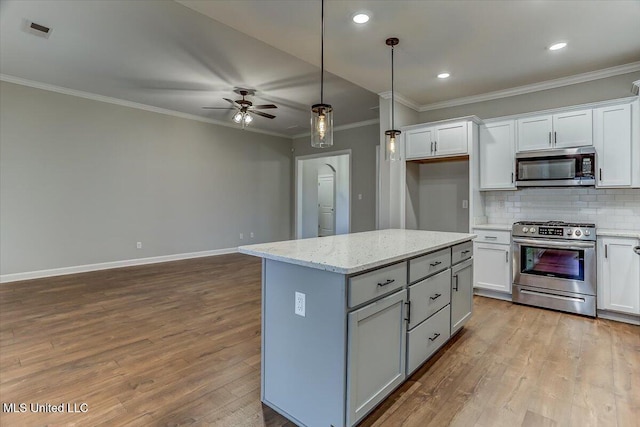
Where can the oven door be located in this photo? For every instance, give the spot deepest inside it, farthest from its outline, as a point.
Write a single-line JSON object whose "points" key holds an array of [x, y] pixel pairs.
{"points": [[552, 264]]}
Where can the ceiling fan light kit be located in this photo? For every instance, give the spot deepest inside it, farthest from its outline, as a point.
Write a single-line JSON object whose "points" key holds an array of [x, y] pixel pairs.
{"points": [[244, 108], [392, 149], [322, 114]]}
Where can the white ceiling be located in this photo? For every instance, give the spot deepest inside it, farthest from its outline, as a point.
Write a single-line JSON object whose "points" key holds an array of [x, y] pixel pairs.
{"points": [[163, 54]]}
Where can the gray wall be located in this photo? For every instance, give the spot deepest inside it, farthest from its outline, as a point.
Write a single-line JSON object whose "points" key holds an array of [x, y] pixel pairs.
{"points": [[581, 93], [362, 141], [82, 181]]}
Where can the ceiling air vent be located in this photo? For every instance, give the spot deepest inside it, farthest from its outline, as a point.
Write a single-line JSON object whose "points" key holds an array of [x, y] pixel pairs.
{"points": [[37, 29]]}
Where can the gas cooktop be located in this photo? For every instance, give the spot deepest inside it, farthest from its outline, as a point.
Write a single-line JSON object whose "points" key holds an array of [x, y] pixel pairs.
{"points": [[555, 230]]}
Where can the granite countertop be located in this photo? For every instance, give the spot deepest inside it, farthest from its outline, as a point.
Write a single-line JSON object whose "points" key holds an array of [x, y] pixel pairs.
{"points": [[353, 253], [618, 233], [501, 227]]}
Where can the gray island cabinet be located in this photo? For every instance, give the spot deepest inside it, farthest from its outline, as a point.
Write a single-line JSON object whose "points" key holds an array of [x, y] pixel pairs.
{"points": [[346, 319]]}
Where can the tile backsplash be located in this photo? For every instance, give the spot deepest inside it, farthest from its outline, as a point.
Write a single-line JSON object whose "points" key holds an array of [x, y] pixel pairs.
{"points": [[607, 208]]}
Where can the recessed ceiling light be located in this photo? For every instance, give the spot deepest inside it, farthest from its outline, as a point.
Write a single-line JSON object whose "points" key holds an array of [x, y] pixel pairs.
{"points": [[443, 75], [360, 18], [557, 46]]}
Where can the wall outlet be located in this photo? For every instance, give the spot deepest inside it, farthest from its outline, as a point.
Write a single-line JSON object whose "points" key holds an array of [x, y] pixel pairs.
{"points": [[465, 204], [139, 245], [251, 234], [360, 196], [300, 304], [241, 236]]}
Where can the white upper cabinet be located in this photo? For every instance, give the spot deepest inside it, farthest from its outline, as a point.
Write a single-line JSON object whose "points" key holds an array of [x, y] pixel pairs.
{"points": [[534, 133], [497, 155], [419, 143], [442, 140], [619, 274], [561, 130], [613, 143]]}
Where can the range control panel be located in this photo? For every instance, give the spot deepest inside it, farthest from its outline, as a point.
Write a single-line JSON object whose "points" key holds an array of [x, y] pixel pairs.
{"points": [[555, 230]]}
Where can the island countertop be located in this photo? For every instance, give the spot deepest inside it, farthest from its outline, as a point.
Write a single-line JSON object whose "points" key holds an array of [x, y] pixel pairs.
{"points": [[356, 252]]}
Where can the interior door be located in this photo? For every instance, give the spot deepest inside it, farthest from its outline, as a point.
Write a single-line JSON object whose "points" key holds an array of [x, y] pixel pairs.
{"points": [[326, 205]]}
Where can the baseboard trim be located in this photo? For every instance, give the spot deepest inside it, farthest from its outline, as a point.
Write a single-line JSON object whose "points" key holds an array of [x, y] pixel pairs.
{"points": [[6, 278], [492, 294], [619, 317]]}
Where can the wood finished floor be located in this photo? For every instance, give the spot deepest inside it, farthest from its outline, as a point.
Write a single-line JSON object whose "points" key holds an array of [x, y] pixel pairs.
{"points": [[179, 344]]}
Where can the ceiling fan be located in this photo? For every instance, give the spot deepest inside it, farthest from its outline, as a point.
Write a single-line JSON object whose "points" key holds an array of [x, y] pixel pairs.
{"points": [[244, 108]]}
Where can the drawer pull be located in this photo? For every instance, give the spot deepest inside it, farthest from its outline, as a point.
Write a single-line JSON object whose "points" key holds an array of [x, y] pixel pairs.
{"points": [[637, 250], [491, 237], [388, 282], [465, 252], [433, 264], [435, 297], [434, 337]]}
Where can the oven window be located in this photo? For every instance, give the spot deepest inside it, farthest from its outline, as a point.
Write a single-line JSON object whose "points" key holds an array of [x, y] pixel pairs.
{"points": [[561, 263]]}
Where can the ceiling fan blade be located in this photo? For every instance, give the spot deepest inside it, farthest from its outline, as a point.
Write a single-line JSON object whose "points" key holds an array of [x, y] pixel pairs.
{"points": [[229, 101], [260, 113], [218, 108], [265, 106]]}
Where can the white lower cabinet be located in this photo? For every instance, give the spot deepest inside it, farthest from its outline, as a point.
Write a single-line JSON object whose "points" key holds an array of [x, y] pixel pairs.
{"points": [[376, 353], [492, 266], [619, 274]]}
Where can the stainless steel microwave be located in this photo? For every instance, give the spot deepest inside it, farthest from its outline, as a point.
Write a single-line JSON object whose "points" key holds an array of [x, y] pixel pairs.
{"points": [[570, 167]]}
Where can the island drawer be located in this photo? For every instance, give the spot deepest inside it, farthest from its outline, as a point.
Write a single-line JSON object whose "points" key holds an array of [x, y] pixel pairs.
{"points": [[429, 264], [427, 338], [368, 286], [461, 252], [428, 296], [493, 236]]}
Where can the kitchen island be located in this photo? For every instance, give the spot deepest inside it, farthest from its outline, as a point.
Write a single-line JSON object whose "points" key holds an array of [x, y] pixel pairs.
{"points": [[346, 319]]}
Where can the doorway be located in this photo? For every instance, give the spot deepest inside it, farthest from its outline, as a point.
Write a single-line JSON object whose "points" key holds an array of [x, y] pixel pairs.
{"points": [[323, 194]]}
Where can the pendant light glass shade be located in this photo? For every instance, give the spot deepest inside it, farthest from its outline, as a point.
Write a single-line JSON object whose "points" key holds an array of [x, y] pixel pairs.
{"points": [[392, 136], [392, 147], [322, 114], [321, 126]]}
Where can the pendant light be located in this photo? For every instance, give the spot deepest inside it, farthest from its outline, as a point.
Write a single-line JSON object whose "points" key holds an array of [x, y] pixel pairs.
{"points": [[322, 114], [392, 149]]}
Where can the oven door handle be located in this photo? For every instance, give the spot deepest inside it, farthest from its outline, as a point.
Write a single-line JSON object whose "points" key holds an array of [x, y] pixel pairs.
{"points": [[554, 244]]}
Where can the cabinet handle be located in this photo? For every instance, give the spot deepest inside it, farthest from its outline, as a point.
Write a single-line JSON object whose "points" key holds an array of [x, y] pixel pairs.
{"points": [[436, 145], [408, 318], [387, 282], [549, 138], [600, 173], [466, 252], [456, 287], [491, 237], [555, 137], [435, 297], [637, 250], [606, 251], [506, 256], [433, 264], [512, 177], [434, 337], [432, 146]]}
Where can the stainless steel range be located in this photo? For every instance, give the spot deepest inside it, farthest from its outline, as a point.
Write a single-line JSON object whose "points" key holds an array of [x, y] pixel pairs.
{"points": [[554, 266]]}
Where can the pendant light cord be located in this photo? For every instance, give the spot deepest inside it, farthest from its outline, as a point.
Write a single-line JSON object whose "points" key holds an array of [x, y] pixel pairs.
{"points": [[392, 101], [322, 59]]}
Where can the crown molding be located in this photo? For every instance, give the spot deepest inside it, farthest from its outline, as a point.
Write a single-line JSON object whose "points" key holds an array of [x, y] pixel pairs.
{"points": [[549, 84], [116, 101], [635, 87], [401, 99], [343, 127]]}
